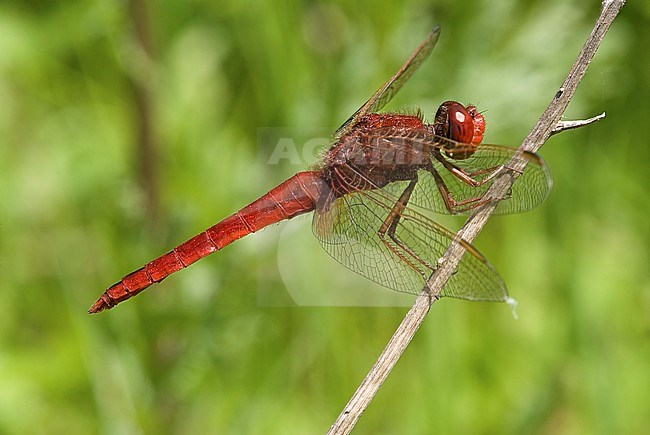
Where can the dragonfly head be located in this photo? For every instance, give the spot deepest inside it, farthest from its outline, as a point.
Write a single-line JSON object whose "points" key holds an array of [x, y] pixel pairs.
{"points": [[462, 124]]}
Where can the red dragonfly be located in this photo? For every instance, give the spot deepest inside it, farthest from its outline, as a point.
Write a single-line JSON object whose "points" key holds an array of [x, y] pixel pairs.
{"points": [[367, 195]]}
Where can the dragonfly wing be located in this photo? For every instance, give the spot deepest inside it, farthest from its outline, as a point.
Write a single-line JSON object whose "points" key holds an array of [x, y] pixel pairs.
{"points": [[388, 90], [348, 231], [528, 191]]}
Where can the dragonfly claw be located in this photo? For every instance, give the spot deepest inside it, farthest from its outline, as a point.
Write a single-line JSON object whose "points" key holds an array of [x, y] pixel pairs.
{"points": [[509, 169]]}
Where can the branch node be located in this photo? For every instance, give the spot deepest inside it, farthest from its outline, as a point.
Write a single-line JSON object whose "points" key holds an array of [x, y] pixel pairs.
{"points": [[569, 125]]}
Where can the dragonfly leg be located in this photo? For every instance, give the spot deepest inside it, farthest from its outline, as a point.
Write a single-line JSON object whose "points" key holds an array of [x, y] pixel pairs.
{"points": [[468, 177], [400, 249], [455, 207]]}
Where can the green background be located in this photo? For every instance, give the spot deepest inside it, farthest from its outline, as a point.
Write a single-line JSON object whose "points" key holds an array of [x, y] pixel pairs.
{"points": [[84, 85]]}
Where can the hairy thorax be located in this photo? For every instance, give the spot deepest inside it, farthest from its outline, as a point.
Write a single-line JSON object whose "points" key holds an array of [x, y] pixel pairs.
{"points": [[377, 151]]}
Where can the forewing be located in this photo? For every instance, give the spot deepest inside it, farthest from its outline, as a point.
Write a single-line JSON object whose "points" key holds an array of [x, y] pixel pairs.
{"points": [[388, 90], [348, 231]]}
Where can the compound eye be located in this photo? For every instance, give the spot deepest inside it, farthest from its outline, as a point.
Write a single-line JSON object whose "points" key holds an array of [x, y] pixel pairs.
{"points": [[461, 124]]}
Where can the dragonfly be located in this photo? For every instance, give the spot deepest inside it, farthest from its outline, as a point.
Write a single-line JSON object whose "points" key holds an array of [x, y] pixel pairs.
{"points": [[372, 194]]}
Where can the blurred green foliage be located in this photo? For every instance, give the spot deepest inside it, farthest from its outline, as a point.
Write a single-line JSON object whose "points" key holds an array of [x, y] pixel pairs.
{"points": [[198, 353]]}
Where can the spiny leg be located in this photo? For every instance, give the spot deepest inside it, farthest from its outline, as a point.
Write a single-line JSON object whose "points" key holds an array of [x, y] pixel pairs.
{"points": [[453, 206], [389, 227], [468, 177]]}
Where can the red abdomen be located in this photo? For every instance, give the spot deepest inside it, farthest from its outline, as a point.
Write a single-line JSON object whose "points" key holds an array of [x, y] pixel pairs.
{"points": [[299, 194]]}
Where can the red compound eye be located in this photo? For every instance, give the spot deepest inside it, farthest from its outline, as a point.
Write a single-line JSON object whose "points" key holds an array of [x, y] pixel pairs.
{"points": [[461, 124]]}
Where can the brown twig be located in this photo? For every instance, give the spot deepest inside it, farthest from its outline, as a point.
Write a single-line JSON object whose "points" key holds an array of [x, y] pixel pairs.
{"points": [[549, 123]]}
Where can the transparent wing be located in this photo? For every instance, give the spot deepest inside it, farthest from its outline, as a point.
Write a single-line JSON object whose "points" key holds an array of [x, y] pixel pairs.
{"points": [[348, 231], [528, 191], [388, 90]]}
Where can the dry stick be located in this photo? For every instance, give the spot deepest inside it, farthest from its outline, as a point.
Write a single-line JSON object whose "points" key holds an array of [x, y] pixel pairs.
{"points": [[548, 124]]}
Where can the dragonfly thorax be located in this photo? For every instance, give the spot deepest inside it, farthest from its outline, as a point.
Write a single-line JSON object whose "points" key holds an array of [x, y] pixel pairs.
{"points": [[377, 151]]}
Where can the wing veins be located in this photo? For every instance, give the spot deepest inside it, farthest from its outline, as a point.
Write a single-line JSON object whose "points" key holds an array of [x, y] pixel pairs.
{"points": [[389, 89]]}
